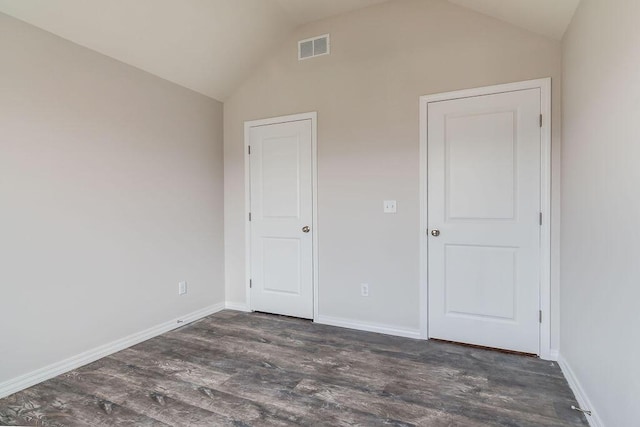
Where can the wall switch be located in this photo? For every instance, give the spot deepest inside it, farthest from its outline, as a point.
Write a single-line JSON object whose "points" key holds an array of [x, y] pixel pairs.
{"points": [[182, 288], [364, 289], [390, 206]]}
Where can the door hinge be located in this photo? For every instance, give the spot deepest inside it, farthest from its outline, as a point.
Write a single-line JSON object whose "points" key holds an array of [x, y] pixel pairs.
{"points": [[540, 218], [250, 284], [249, 150], [540, 120], [249, 216], [540, 316]]}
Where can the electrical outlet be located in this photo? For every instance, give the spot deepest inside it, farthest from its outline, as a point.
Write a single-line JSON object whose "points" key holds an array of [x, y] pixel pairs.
{"points": [[182, 288], [390, 206], [364, 289]]}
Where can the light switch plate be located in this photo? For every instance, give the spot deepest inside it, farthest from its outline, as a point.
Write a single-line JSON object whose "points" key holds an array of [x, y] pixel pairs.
{"points": [[390, 206], [182, 288]]}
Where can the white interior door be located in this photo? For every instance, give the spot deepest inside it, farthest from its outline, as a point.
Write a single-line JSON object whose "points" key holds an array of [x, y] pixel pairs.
{"points": [[281, 218], [484, 220]]}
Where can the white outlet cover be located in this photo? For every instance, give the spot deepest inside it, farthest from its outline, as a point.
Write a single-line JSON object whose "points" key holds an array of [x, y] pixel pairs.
{"points": [[364, 289], [390, 206], [182, 288]]}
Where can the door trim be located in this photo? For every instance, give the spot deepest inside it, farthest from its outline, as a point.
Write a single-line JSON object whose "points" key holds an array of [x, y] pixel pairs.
{"points": [[544, 85], [313, 116]]}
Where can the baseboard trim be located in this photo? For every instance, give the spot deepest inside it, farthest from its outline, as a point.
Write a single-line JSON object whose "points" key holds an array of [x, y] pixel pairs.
{"points": [[237, 306], [581, 396], [32, 378], [368, 327], [553, 355]]}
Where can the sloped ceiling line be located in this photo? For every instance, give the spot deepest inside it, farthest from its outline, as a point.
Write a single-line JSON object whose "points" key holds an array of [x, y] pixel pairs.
{"points": [[211, 46]]}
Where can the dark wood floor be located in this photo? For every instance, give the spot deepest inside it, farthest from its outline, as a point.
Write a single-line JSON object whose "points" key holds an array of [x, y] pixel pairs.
{"points": [[238, 369]]}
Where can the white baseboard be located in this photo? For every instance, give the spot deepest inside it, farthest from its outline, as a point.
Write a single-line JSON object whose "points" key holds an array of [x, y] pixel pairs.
{"points": [[581, 396], [552, 356], [32, 378], [237, 306], [369, 327]]}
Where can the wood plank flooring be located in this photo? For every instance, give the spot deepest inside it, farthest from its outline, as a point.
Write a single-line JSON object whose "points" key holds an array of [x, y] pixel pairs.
{"points": [[240, 369]]}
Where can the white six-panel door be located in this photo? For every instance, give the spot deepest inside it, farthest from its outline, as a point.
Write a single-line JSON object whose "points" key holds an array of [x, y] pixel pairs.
{"points": [[281, 205], [484, 168]]}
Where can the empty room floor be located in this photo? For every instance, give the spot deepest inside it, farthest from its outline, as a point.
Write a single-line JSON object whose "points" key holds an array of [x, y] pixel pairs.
{"points": [[240, 369]]}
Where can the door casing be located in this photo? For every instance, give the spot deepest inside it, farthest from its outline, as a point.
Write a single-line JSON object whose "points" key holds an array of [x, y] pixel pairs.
{"points": [[545, 200], [313, 116]]}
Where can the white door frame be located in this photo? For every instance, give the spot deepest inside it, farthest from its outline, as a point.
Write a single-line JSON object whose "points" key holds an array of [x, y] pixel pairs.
{"points": [[313, 116], [545, 200]]}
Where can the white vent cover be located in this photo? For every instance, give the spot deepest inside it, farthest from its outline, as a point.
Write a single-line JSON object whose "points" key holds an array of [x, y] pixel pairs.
{"points": [[315, 46]]}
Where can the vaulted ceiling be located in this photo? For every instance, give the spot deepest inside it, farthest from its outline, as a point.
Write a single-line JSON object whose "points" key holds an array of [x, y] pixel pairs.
{"points": [[210, 46], [546, 17]]}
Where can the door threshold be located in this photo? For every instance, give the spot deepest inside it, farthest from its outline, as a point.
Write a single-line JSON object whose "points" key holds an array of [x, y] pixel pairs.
{"points": [[264, 313], [481, 347]]}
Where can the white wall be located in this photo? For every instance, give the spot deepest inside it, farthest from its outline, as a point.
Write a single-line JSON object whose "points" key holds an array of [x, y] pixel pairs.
{"points": [[366, 94], [600, 324], [110, 193]]}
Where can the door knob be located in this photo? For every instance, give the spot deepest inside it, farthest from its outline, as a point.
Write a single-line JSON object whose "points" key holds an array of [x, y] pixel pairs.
{"points": [[305, 229], [435, 233]]}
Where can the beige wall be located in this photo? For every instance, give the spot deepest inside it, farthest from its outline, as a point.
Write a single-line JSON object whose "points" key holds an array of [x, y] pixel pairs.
{"points": [[366, 95], [110, 193], [600, 335]]}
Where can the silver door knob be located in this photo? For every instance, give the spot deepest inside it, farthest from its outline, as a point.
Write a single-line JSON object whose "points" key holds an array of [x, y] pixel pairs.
{"points": [[435, 233], [305, 229]]}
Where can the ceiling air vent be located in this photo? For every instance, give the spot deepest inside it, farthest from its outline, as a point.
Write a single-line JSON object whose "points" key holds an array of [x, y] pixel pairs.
{"points": [[315, 46]]}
